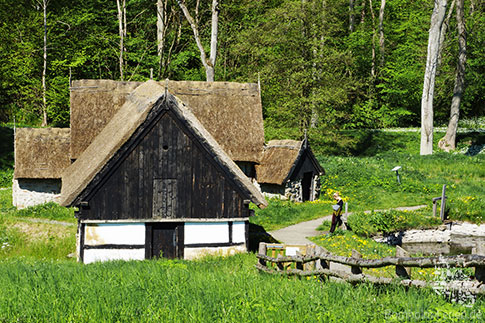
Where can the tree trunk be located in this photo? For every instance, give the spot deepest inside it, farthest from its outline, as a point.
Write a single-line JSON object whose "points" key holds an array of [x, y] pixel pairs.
{"points": [[161, 22], [437, 17], [373, 66], [209, 64], [381, 31], [121, 6], [44, 70], [351, 16], [448, 142], [444, 29]]}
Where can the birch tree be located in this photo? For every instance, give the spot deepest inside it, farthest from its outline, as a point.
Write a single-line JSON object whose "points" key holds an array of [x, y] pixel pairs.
{"points": [[210, 63], [437, 17], [381, 31], [448, 142], [43, 6], [121, 6]]}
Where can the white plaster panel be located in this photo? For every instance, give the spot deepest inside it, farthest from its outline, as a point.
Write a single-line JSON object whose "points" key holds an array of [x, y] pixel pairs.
{"points": [[211, 232], [238, 232], [30, 192], [93, 255], [194, 253], [114, 233]]}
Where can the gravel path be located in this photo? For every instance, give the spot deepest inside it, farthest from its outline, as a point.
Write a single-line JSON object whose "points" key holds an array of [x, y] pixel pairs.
{"points": [[298, 233]]}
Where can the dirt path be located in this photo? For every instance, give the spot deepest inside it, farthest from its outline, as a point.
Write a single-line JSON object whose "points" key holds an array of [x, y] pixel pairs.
{"points": [[298, 233]]}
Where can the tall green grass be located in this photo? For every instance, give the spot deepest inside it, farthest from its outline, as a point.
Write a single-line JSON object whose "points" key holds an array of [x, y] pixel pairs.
{"points": [[210, 290]]}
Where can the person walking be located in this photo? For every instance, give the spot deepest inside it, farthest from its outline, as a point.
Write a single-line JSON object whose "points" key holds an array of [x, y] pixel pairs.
{"points": [[337, 212]]}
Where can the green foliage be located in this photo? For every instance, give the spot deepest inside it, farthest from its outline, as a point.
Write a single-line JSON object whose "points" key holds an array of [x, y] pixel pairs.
{"points": [[51, 211], [367, 224], [210, 290]]}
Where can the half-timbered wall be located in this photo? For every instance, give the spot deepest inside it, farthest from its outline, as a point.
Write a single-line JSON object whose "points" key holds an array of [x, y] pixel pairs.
{"points": [[164, 173], [138, 241]]}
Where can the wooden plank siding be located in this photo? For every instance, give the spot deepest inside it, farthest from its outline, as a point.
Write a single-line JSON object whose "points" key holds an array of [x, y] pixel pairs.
{"points": [[163, 156]]}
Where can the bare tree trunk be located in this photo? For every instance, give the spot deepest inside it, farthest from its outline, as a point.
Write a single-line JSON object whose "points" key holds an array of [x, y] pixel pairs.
{"points": [[373, 67], [44, 70], [351, 16], [444, 29], [209, 64], [362, 13], [161, 23], [381, 31], [122, 31], [448, 142], [437, 17]]}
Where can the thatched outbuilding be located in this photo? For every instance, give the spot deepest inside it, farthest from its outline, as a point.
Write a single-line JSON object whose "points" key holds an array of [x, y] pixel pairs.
{"points": [[154, 181], [289, 170], [41, 155]]}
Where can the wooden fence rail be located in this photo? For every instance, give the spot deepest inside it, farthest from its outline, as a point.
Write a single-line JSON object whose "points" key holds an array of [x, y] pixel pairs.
{"points": [[318, 262]]}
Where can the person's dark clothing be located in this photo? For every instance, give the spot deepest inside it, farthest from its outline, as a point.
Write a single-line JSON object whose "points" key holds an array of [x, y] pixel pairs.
{"points": [[337, 216]]}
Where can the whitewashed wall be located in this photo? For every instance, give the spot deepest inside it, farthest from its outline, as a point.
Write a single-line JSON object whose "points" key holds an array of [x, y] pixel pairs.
{"points": [[30, 192], [113, 234], [200, 233]]}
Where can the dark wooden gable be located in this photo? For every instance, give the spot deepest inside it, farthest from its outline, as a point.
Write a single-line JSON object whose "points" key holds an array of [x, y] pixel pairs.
{"points": [[162, 172], [305, 163]]}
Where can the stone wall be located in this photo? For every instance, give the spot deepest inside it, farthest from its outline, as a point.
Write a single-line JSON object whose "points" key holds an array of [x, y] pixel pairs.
{"points": [[30, 192], [293, 191]]}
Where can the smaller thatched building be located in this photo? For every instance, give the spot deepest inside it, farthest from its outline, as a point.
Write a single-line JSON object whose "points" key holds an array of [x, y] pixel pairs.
{"points": [[40, 157], [289, 170]]}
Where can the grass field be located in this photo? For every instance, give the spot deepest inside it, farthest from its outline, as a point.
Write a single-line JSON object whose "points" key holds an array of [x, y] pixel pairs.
{"points": [[210, 290]]}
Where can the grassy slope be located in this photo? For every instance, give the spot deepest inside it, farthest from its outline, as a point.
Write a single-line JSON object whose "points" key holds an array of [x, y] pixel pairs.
{"points": [[362, 173]]}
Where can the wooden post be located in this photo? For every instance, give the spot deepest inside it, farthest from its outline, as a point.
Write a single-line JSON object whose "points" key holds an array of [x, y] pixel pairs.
{"points": [[356, 269], [443, 204], [480, 270], [262, 251], [321, 264], [402, 271], [434, 206]]}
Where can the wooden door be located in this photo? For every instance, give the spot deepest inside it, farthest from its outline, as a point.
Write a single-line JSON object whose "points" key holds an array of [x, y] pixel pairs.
{"points": [[164, 239]]}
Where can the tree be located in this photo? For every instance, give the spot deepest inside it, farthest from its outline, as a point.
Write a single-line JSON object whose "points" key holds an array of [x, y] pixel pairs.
{"points": [[121, 6], [435, 30], [448, 142], [43, 5], [209, 64]]}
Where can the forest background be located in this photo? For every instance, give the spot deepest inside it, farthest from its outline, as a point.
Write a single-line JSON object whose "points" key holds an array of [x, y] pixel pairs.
{"points": [[326, 64]]}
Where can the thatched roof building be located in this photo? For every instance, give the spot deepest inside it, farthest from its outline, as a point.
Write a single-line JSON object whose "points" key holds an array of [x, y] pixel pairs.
{"points": [[121, 127], [41, 152], [155, 182], [289, 169], [231, 112]]}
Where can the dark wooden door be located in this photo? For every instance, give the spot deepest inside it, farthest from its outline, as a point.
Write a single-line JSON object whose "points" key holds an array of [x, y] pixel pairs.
{"points": [[164, 240], [306, 186]]}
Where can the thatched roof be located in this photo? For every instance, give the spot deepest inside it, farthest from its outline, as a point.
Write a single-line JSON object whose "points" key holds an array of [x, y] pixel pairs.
{"points": [[278, 160], [93, 104], [122, 126], [41, 153], [231, 112]]}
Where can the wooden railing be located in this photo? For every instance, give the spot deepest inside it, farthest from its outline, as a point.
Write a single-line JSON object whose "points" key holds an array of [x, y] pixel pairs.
{"points": [[313, 260]]}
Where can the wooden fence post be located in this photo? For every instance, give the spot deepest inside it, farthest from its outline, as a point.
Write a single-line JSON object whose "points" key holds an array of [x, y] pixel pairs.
{"points": [[443, 204], [402, 271], [262, 251], [356, 269], [480, 270], [320, 263]]}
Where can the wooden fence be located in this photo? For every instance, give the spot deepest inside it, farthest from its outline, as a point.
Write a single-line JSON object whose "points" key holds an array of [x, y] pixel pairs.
{"points": [[311, 260]]}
